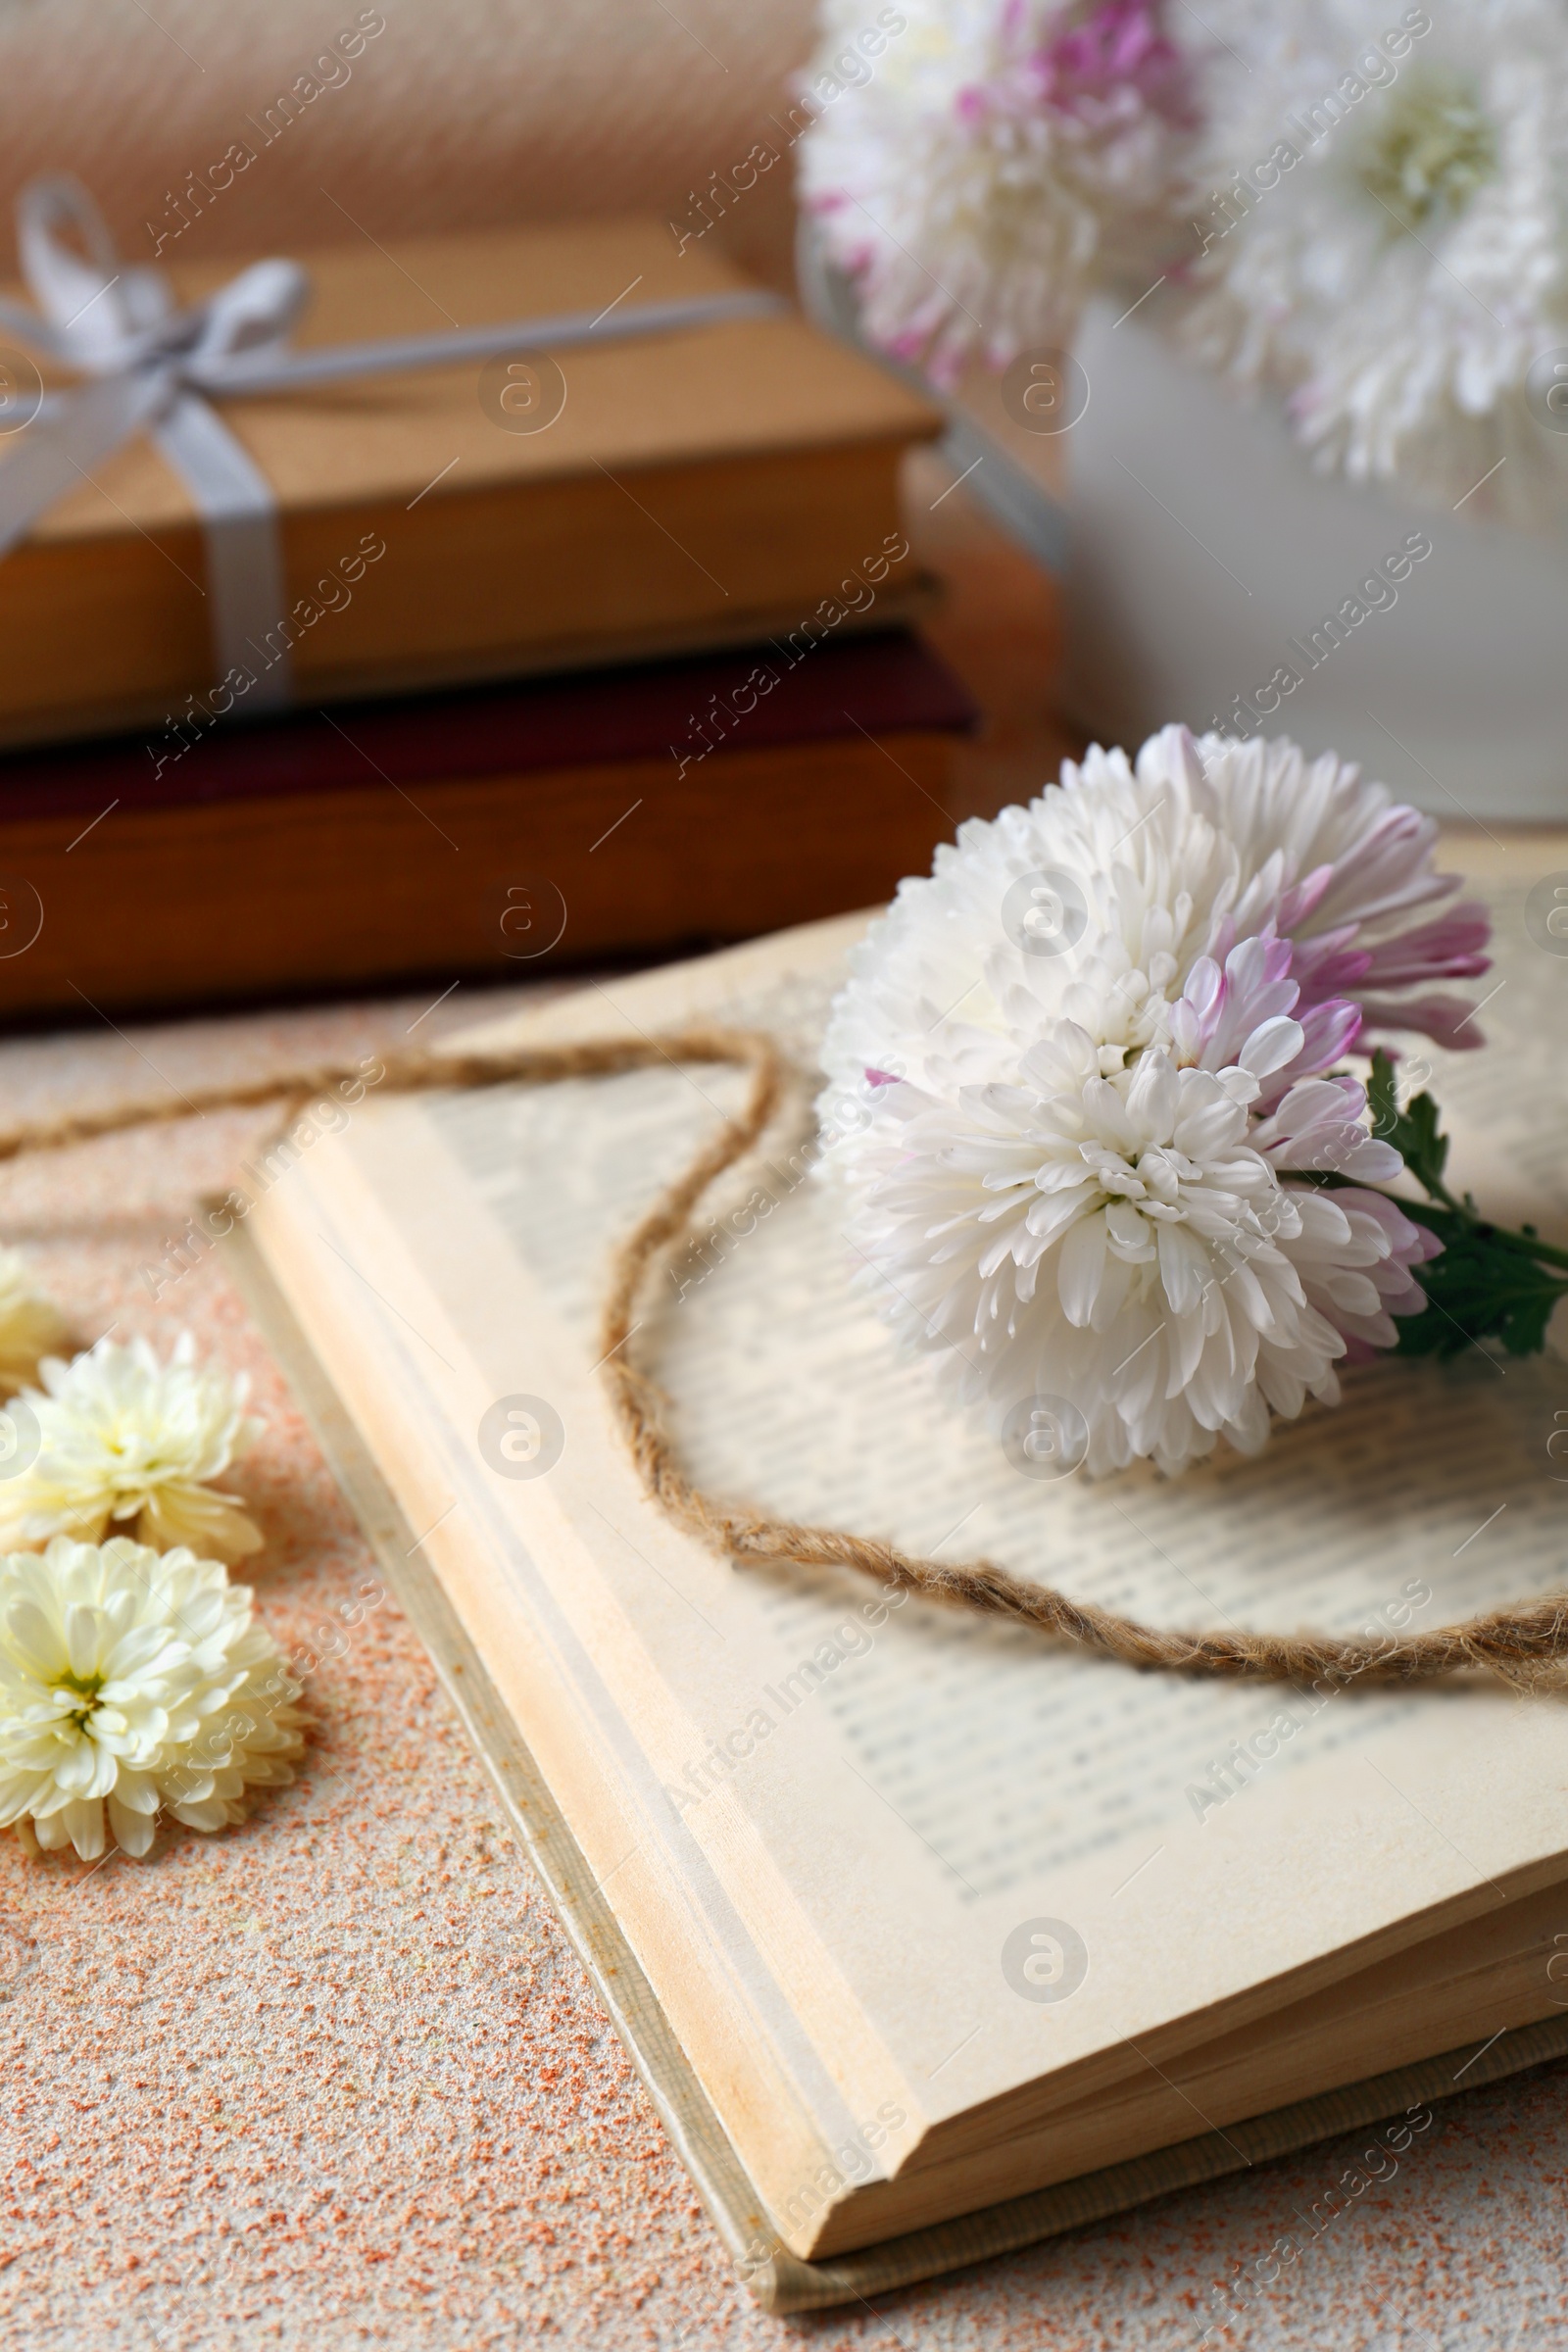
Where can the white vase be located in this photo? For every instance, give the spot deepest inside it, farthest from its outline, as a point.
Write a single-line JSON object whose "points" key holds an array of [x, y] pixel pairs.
{"points": [[1209, 564]]}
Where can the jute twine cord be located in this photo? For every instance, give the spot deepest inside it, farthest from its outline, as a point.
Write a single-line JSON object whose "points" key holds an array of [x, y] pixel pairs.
{"points": [[1526, 1642]]}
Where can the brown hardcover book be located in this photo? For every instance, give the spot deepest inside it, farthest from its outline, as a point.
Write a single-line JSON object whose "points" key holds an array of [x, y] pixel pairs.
{"points": [[488, 831], [707, 484]]}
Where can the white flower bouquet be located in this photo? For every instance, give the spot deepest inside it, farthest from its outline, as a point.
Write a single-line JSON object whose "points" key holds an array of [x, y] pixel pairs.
{"points": [[1362, 207], [1117, 1167]]}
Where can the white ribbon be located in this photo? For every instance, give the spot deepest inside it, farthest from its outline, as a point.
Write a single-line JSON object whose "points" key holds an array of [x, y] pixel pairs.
{"points": [[156, 368]]}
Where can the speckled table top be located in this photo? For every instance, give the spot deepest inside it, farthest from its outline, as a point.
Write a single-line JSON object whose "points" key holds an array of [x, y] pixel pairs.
{"points": [[337, 2078]]}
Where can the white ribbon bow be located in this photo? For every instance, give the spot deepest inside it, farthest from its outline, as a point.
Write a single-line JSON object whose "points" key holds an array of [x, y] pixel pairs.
{"points": [[156, 368]]}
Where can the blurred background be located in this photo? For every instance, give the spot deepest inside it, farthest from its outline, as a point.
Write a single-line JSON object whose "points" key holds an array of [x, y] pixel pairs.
{"points": [[463, 113], [575, 652]]}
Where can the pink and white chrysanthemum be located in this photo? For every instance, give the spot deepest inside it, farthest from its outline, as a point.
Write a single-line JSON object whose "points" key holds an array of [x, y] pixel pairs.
{"points": [[1151, 870], [1356, 1249], [1077, 1089], [970, 179], [1344, 870]]}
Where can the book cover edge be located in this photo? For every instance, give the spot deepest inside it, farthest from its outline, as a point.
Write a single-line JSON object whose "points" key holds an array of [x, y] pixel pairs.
{"points": [[782, 2282]]}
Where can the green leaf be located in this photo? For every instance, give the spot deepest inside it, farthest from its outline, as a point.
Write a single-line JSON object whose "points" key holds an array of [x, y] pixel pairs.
{"points": [[1525, 1330], [1487, 1284], [1381, 1099], [1415, 1131]]}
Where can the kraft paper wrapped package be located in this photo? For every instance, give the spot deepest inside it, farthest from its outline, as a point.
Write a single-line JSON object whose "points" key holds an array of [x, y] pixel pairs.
{"points": [[677, 460]]}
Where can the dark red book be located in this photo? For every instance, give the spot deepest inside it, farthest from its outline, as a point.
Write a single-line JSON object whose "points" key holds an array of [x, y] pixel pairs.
{"points": [[491, 831]]}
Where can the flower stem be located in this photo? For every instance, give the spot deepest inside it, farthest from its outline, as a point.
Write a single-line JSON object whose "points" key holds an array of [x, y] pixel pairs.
{"points": [[1489, 1281]]}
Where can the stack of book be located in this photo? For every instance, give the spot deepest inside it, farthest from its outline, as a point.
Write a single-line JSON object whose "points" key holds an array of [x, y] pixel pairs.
{"points": [[591, 655]]}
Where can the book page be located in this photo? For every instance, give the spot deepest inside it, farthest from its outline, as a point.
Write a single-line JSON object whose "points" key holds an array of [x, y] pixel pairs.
{"points": [[1507, 1109], [887, 1800]]}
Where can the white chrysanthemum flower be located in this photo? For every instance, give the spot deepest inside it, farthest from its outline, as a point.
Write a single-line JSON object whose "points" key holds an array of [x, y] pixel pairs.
{"points": [[123, 1438], [31, 1326], [138, 1679], [971, 181], [1393, 252], [1146, 876], [1114, 1240], [1076, 1092]]}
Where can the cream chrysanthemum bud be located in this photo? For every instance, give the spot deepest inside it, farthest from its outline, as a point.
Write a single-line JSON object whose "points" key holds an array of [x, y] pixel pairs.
{"points": [[31, 1327], [139, 1679], [122, 1437]]}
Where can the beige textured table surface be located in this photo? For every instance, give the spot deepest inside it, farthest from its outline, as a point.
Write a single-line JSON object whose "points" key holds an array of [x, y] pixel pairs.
{"points": [[336, 2078]]}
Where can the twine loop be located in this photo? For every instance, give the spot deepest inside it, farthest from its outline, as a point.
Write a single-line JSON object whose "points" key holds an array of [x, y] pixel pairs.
{"points": [[1525, 1642]]}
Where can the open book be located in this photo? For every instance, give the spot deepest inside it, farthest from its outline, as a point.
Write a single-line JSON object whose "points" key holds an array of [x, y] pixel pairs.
{"points": [[940, 1914]]}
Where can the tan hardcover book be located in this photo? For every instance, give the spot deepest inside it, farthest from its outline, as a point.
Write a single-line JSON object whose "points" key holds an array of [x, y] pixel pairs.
{"points": [[947, 1937], [707, 484]]}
